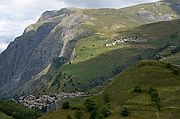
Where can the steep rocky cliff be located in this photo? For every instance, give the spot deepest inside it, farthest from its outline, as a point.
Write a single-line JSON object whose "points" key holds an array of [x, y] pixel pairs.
{"points": [[32, 52]]}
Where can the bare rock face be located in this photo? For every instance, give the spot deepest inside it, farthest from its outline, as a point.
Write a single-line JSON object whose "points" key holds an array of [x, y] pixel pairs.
{"points": [[34, 50], [153, 17], [175, 4]]}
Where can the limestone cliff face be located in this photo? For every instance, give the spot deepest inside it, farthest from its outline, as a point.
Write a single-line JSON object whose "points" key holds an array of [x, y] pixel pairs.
{"points": [[34, 50]]}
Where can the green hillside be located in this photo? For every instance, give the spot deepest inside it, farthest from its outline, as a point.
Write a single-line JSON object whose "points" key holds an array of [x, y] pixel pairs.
{"points": [[162, 78], [4, 116], [13, 110], [94, 63]]}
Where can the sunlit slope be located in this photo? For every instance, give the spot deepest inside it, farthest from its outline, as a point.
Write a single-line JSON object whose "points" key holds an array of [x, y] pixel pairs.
{"points": [[149, 73]]}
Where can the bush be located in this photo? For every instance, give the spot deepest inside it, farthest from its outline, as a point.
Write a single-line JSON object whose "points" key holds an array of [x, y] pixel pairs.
{"points": [[155, 97], [106, 98], [175, 50], [66, 105], [57, 62], [90, 105], [78, 115], [125, 112], [117, 70], [151, 89], [93, 114], [168, 66], [175, 72], [105, 111], [69, 117], [137, 89], [99, 116]]}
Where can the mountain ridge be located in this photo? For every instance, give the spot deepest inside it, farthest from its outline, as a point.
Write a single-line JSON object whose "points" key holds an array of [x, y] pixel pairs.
{"points": [[57, 33]]}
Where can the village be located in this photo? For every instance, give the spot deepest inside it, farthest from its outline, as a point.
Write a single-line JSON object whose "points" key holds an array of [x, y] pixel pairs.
{"points": [[127, 40], [46, 101]]}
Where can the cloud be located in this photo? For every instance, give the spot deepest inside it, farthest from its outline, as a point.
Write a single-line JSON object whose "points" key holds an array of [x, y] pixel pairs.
{"points": [[15, 15], [3, 46], [104, 3]]}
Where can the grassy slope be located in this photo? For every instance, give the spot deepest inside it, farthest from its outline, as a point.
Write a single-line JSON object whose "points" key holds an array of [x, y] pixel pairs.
{"points": [[120, 91], [93, 60], [84, 69], [174, 59], [118, 55], [145, 74], [4, 116], [17, 110]]}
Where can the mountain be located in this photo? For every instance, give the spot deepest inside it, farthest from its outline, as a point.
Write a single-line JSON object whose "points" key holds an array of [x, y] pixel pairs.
{"points": [[134, 88], [76, 39]]}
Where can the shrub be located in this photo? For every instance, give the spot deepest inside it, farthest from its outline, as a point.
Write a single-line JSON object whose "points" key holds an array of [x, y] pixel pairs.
{"points": [[99, 116], [106, 98], [65, 105], [175, 72], [137, 89], [57, 62], [105, 111], [155, 97], [69, 117], [93, 114], [90, 105], [125, 112], [175, 50], [168, 65], [117, 70], [151, 89], [78, 115]]}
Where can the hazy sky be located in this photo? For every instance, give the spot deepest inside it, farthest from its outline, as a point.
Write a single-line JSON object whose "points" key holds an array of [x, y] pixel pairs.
{"points": [[16, 15]]}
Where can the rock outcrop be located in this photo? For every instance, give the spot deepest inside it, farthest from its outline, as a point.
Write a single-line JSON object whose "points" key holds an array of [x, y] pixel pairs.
{"points": [[34, 50]]}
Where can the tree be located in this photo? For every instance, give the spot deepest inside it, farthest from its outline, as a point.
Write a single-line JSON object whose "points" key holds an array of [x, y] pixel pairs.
{"points": [[44, 109], [90, 105], [106, 98], [137, 89], [175, 72], [65, 105], [125, 112], [155, 97], [99, 116], [57, 62], [168, 65], [117, 70], [105, 111], [69, 117], [78, 114], [93, 114]]}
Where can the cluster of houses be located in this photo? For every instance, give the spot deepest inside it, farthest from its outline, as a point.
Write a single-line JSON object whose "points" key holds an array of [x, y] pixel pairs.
{"points": [[33, 102], [127, 40]]}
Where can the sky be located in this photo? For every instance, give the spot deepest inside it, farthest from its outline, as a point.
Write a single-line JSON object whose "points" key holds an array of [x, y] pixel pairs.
{"points": [[16, 15]]}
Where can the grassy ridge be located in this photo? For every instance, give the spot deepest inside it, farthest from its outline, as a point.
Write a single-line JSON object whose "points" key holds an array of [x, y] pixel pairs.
{"points": [[120, 92], [4, 116]]}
